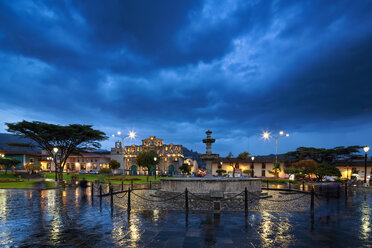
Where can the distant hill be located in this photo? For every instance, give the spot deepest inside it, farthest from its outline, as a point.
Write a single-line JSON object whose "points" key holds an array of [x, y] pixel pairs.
{"points": [[7, 138], [194, 155]]}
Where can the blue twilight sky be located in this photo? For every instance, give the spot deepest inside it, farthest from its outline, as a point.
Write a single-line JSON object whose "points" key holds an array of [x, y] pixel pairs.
{"points": [[177, 68]]}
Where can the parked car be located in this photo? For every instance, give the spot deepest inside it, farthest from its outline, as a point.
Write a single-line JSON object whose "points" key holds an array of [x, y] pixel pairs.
{"points": [[93, 172], [82, 172], [329, 179]]}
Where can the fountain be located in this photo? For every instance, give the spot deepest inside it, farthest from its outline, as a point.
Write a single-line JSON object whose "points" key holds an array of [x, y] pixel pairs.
{"points": [[209, 183]]}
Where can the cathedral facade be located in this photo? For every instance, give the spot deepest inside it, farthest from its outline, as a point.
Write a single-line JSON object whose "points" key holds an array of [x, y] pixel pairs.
{"points": [[171, 157]]}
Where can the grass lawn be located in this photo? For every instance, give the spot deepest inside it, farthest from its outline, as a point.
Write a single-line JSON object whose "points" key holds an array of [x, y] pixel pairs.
{"points": [[23, 184], [104, 178]]}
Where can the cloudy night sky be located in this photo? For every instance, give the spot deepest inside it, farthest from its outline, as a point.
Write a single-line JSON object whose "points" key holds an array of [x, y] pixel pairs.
{"points": [[175, 69]]}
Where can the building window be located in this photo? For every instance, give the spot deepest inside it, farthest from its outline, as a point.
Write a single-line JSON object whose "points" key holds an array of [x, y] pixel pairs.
{"points": [[252, 166], [94, 166], [263, 173], [263, 165], [354, 171], [31, 160], [219, 165]]}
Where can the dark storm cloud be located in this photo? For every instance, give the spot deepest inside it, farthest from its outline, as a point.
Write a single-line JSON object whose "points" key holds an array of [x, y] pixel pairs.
{"points": [[233, 66]]}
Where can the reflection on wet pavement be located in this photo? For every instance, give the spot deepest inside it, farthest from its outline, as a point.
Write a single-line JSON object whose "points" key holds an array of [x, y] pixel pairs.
{"points": [[70, 218]]}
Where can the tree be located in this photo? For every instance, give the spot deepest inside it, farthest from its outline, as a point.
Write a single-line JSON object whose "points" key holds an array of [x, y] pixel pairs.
{"points": [[326, 170], [31, 167], [244, 155], [322, 155], [248, 172], [73, 138], [276, 169], [230, 159], [307, 166], [8, 163], [145, 159], [220, 172], [292, 171], [114, 165], [185, 169]]}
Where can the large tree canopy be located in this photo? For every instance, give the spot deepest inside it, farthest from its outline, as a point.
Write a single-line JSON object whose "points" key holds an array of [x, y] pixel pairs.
{"points": [[73, 138], [8, 163], [146, 159], [244, 155], [323, 155]]}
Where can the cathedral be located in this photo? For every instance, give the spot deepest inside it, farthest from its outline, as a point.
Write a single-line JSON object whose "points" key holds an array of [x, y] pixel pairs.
{"points": [[171, 157]]}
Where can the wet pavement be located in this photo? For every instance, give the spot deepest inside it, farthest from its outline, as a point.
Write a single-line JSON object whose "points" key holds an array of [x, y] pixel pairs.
{"points": [[67, 218]]}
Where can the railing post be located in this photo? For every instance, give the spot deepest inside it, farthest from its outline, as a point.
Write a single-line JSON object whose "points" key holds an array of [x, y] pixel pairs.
{"points": [[345, 189], [312, 202], [246, 200], [128, 207], [92, 191], [186, 199], [100, 195], [289, 184], [112, 197], [338, 191], [122, 185], [131, 184], [312, 208], [267, 183], [303, 186], [150, 184]]}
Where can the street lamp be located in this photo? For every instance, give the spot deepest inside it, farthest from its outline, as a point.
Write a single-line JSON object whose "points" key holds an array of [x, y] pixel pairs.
{"points": [[131, 135], [55, 151], [155, 158], [267, 135], [366, 149], [252, 169]]}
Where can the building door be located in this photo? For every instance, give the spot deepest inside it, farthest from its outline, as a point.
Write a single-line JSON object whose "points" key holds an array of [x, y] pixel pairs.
{"points": [[152, 170], [133, 170], [171, 170]]}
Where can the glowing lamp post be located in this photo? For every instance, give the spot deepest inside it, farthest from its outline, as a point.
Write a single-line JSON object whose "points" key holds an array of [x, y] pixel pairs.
{"points": [[267, 135], [155, 158], [252, 169], [131, 135], [366, 149], [55, 151]]}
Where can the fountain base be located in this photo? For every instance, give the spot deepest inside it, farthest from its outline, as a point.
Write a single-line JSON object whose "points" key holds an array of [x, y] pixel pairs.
{"points": [[206, 185]]}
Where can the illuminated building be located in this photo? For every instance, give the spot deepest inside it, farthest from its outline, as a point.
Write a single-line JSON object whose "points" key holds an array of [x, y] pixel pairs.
{"points": [[171, 157]]}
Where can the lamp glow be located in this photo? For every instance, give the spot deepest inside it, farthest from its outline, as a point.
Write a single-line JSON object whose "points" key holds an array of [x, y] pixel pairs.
{"points": [[132, 134], [265, 135], [287, 135], [119, 133], [252, 158], [55, 149], [366, 149], [281, 133], [155, 158]]}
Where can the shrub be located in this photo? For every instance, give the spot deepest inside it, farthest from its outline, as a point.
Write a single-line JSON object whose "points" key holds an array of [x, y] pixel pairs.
{"points": [[248, 172], [105, 171], [220, 172]]}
